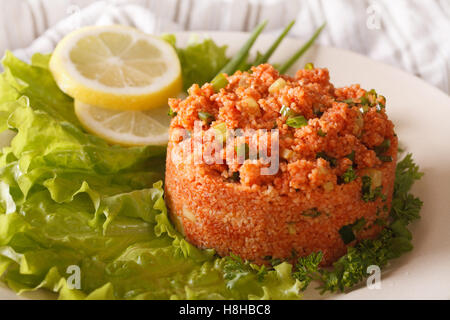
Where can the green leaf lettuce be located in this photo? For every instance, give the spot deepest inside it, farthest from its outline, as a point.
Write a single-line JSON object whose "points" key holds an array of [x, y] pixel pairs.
{"points": [[200, 60], [68, 198]]}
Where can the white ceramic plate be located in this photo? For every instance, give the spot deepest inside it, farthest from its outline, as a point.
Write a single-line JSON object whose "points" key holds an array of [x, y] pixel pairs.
{"points": [[421, 114]]}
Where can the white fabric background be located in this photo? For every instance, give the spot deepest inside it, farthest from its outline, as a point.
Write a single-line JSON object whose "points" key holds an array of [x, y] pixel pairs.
{"points": [[412, 34]]}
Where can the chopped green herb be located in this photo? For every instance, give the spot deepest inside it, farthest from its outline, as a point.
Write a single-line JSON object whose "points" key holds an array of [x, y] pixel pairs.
{"points": [[235, 177], [385, 158], [205, 117], [359, 224], [380, 107], [318, 113], [348, 176], [370, 194], [331, 160], [346, 233], [285, 111], [364, 101], [364, 109], [313, 213], [171, 113], [351, 156], [297, 122], [383, 147], [350, 102]]}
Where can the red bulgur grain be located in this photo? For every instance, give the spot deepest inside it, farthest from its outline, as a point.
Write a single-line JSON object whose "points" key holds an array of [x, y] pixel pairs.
{"points": [[260, 216]]}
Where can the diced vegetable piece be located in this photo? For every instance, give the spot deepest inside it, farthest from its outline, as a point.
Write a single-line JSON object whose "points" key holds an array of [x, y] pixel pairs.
{"points": [[309, 66], [313, 213], [287, 154], [221, 131], [243, 151], [328, 186], [291, 228], [219, 82], [279, 84], [359, 123], [297, 122], [188, 214], [323, 170], [251, 105], [364, 101]]}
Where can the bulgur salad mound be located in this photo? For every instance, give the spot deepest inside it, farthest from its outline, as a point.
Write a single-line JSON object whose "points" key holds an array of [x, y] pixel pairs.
{"points": [[71, 201], [337, 155]]}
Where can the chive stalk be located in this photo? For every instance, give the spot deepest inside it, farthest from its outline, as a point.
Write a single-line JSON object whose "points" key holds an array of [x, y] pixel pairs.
{"points": [[239, 58], [301, 51], [264, 58]]}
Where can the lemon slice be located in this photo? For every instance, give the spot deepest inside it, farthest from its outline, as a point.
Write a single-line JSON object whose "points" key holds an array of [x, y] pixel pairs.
{"points": [[116, 67], [128, 128]]}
